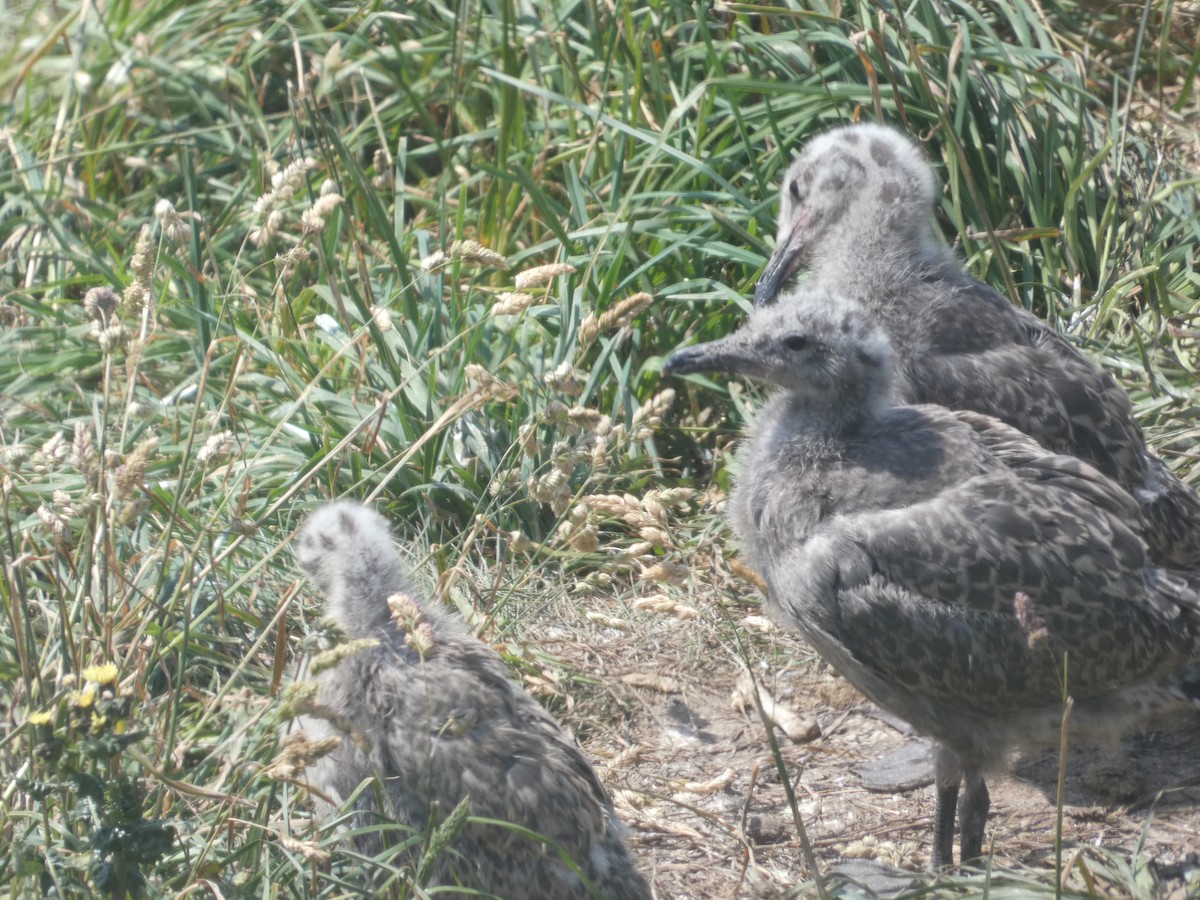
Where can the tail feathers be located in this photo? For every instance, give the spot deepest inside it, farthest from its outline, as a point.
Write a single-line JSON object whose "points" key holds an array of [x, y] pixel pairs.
{"points": [[1172, 513]]}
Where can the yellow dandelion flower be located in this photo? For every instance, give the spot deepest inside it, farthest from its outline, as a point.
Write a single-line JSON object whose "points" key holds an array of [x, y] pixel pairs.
{"points": [[45, 717], [104, 674], [83, 699]]}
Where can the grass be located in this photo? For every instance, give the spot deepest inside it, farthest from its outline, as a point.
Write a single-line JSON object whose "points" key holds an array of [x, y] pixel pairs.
{"points": [[266, 190]]}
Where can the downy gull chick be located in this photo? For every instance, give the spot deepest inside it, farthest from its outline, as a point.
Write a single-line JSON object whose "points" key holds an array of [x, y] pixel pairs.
{"points": [[942, 561], [432, 713], [856, 213]]}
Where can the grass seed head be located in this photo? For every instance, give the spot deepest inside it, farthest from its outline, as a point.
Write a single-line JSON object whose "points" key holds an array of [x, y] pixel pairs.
{"points": [[541, 275]]}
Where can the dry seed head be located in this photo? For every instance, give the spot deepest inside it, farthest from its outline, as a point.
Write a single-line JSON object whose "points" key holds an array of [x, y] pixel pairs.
{"points": [[656, 536], [135, 296], [313, 218], [262, 235], [128, 477], [421, 640], [132, 512], [110, 337], [511, 303], [620, 316], [1033, 624], [616, 505], [51, 455], [478, 374], [674, 497], [503, 482], [654, 508], [650, 415], [493, 388], [593, 583], [383, 318], [590, 420], [607, 621], [586, 540], [663, 603], [540, 275], [217, 448], [173, 226], [310, 222], [138, 291], [287, 263], [290, 179], [53, 522], [327, 659], [551, 489], [383, 178], [578, 532], [406, 611], [528, 439], [84, 457], [564, 379], [142, 262], [100, 303], [589, 328], [434, 260], [300, 696], [13, 455], [64, 503], [311, 852], [517, 541], [298, 753], [665, 572], [563, 461], [470, 251], [330, 187]]}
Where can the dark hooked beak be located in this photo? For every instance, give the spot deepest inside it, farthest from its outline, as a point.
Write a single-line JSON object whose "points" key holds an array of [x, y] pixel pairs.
{"points": [[787, 258], [715, 356]]}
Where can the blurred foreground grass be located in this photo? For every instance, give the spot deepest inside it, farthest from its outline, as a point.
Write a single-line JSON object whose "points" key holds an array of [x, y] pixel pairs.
{"points": [[253, 256]]}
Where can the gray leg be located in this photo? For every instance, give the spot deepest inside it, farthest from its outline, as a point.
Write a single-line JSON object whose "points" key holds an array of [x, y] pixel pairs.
{"points": [[972, 814], [947, 775]]}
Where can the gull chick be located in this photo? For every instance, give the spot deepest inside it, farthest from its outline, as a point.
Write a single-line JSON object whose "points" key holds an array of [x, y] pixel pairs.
{"points": [[950, 567], [430, 714], [856, 215]]}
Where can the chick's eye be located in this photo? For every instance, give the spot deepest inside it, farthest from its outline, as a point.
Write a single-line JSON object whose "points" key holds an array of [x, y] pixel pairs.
{"points": [[795, 342], [794, 189]]}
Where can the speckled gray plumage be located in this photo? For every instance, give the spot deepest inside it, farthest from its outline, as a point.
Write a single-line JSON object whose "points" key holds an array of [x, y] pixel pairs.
{"points": [[451, 725], [856, 213], [941, 560]]}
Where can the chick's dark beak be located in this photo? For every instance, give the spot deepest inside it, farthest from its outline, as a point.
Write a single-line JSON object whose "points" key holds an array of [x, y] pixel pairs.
{"points": [[784, 262], [687, 361], [722, 355]]}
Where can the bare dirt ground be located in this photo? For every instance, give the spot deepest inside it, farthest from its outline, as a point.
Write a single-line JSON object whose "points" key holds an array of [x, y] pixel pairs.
{"points": [[693, 775]]}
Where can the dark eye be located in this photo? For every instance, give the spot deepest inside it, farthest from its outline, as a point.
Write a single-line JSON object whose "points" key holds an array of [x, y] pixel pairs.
{"points": [[794, 190], [795, 342]]}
